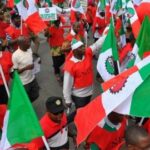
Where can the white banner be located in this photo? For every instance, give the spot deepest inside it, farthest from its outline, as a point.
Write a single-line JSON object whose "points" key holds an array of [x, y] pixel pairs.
{"points": [[48, 13]]}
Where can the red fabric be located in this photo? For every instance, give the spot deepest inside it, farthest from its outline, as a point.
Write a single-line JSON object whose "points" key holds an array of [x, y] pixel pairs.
{"points": [[101, 24], [3, 109], [57, 37], [35, 23], [88, 117], [49, 128], [119, 146], [107, 14], [143, 10], [106, 85], [58, 1], [105, 139], [147, 125], [82, 72], [10, 3], [90, 13], [124, 51], [69, 37], [15, 33], [3, 26], [118, 26], [6, 63], [30, 146]]}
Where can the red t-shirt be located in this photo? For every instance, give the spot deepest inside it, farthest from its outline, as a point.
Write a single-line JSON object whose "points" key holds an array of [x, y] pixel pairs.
{"points": [[6, 63], [57, 36], [14, 33], [49, 128], [105, 139], [82, 72], [3, 26]]}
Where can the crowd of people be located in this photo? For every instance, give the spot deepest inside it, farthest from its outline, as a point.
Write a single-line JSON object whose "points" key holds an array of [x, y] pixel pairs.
{"points": [[71, 50]]}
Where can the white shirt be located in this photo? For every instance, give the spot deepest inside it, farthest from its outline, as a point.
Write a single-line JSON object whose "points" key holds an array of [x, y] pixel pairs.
{"points": [[20, 60]]}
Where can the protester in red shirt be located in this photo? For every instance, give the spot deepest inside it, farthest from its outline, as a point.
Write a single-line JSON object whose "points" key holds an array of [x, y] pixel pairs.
{"points": [[109, 132], [55, 35], [6, 64], [54, 125], [14, 30], [3, 26]]}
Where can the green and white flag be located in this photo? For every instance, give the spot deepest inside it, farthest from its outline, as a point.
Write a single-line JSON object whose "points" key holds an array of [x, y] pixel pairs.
{"points": [[20, 123], [142, 45], [107, 64], [137, 104]]}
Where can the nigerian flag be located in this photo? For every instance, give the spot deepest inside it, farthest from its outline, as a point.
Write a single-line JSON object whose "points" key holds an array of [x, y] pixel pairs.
{"points": [[28, 11], [20, 123], [142, 45], [107, 64]]}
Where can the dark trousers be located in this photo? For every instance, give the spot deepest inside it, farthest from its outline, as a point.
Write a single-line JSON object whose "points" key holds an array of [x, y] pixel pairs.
{"points": [[32, 90], [3, 95], [81, 101], [57, 62]]}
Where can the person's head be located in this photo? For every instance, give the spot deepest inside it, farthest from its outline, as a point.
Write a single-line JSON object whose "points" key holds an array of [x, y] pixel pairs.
{"points": [[55, 108], [102, 14], [57, 22], [115, 118], [15, 19], [78, 15], [1, 15], [78, 48], [76, 27], [137, 138], [24, 43]]}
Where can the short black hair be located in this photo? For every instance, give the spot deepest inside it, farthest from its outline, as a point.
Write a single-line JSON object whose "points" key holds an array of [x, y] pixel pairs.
{"points": [[133, 134]]}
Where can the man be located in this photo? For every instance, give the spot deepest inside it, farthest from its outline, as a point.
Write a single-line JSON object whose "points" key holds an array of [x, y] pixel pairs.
{"points": [[78, 73], [55, 35], [136, 138], [23, 62], [14, 30], [109, 132], [54, 125]]}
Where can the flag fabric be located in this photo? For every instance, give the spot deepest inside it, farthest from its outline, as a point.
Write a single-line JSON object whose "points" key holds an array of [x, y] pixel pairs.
{"points": [[20, 123], [76, 7], [142, 44], [10, 3], [143, 9], [132, 16], [29, 13], [107, 62], [116, 6], [102, 105]]}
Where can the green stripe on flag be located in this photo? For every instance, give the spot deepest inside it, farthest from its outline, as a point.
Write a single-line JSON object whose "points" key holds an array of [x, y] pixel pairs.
{"points": [[17, 1], [23, 125], [143, 40], [140, 105], [110, 42]]}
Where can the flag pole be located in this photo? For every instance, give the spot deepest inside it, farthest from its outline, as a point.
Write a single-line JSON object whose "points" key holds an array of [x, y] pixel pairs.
{"points": [[4, 80], [45, 143], [21, 26], [141, 121]]}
